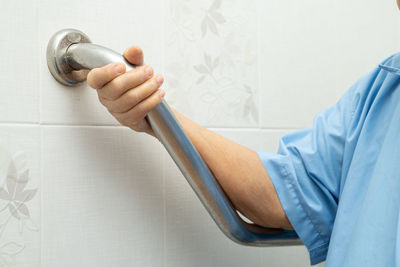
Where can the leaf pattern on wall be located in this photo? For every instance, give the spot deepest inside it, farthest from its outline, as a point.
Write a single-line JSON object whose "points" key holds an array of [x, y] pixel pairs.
{"points": [[207, 68], [15, 193], [211, 71], [212, 18], [8, 252], [14, 210]]}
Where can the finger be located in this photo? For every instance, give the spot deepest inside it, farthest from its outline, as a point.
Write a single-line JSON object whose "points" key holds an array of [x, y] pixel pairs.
{"points": [[134, 96], [134, 55], [133, 78], [138, 112], [98, 77]]}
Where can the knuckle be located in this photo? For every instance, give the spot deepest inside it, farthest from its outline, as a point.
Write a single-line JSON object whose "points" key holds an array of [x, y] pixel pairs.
{"points": [[132, 97], [150, 85], [154, 83], [140, 110], [156, 99], [109, 67], [144, 108], [133, 77], [112, 68], [117, 84], [152, 103], [147, 71], [93, 78], [156, 102]]}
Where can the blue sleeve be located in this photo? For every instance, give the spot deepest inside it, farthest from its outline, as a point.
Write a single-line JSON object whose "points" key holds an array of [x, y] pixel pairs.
{"points": [[306, 173]]}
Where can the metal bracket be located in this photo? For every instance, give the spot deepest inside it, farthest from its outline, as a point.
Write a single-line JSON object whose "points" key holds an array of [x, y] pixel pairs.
{"points": [[70, 56], [57, 61]]}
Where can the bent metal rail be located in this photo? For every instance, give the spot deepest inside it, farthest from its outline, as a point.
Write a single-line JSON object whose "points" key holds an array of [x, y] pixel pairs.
{"points": [[70, 55]]}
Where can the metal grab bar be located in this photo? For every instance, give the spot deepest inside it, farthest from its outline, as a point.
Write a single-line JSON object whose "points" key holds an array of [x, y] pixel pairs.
{"points": [[70, 55]]}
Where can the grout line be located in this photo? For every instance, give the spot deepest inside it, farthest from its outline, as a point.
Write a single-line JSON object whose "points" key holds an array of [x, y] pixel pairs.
{"points": [[238, 129], [120, 126], [19, 123], [164, 209], [40, 73], [259, 90], [82, 125], [41, 168], [41, 171], [164, 260], [9, 123]]}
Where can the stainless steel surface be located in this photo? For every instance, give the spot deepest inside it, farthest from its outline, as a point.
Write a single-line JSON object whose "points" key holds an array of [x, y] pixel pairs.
{"points": [[56, 60], [70, 55]]}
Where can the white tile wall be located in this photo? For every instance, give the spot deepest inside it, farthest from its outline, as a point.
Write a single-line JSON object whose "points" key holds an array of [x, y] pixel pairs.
{"points": [[310, 52], [211, 61], [114, 24], [19, 75], [102, 195], [20, 186], [193, 239], [102, 198]]}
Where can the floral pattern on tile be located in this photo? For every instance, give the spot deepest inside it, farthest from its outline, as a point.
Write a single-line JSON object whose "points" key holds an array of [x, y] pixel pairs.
{"points": [[211, 66], [15, 215]]}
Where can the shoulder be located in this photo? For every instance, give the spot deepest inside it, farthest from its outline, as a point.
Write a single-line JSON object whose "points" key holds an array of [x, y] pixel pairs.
{"points": [[391, 64], [385, 76]]}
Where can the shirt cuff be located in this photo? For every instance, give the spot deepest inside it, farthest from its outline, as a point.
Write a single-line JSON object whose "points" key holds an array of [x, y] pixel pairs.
{"points": [[283, 177]]}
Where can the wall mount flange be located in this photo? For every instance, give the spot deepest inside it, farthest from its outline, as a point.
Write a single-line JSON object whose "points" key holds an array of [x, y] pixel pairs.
{"points": [[57, 62]]}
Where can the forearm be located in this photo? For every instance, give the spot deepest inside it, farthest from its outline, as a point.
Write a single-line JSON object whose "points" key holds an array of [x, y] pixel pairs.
{"points": [[129, 96], [240, 173]]}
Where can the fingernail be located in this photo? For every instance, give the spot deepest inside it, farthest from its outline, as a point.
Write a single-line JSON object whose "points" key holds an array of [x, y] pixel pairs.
{"points": [[148, 70], [162, 93], [159, 79], [118, 68]]}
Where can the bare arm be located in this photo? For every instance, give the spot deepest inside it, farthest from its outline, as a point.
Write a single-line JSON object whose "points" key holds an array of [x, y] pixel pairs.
{"points": [[241, 174], [130, 96]]}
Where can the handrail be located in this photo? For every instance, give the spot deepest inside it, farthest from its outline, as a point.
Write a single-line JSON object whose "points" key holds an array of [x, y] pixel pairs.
{"points": [[70, 55]]}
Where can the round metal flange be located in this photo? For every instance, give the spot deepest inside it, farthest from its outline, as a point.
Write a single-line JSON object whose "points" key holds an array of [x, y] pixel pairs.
{"points": [[56, 60]]}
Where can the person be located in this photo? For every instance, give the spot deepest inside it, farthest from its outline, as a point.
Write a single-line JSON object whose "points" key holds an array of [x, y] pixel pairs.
{"points": [[336, 184]]}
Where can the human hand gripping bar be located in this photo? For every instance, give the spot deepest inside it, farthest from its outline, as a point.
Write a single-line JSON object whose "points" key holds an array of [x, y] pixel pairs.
{"points": [[70, 55]]}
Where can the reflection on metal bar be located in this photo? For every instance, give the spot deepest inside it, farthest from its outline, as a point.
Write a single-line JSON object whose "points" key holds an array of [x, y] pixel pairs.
{"points": [[69, 57]]}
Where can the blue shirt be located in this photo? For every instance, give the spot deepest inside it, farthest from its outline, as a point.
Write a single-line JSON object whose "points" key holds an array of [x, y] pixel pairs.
{"points": [[339, 182]]}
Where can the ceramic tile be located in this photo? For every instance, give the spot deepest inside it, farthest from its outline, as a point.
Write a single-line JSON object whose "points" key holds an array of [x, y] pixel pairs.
{"points": [[211, 61], [102, 197], [311, 52], [113, 24], [193, 239], [19, 97], [20, 220]]}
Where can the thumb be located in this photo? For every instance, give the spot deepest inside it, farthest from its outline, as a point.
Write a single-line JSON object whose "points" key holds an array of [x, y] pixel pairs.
{"points": [[134, 55]]}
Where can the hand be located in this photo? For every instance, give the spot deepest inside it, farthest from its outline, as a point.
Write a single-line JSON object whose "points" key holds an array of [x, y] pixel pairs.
{"points": [[128, 96]]}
